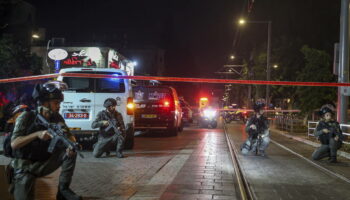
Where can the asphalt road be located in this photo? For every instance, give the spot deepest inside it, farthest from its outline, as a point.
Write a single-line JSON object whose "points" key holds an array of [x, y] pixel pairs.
{"points": [[287, 171]]}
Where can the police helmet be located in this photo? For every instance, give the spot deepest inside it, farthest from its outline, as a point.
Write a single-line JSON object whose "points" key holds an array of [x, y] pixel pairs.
{"points": [[326, 109], [109, 102], [47, 91], [258, 106]]}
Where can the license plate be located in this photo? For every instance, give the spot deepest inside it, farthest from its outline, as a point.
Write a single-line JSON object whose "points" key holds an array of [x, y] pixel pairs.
{"points": [[76, 115], [149, 116]]}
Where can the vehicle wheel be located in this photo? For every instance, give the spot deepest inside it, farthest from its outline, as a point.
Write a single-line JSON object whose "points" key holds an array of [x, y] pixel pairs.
{"points": [[181, 127], [172, 132], [129, 139], [227, 120], [214, 124]]}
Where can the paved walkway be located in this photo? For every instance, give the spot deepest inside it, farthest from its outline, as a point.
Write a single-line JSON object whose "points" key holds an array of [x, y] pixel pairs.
{"points": [[194, 165]]}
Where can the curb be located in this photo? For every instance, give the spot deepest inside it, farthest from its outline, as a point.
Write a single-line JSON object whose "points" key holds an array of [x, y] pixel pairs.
{"points": [[314, 144]]}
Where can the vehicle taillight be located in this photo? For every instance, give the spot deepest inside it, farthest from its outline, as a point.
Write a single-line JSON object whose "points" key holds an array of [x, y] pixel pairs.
{"points": [[130, 106], [166, 103]]}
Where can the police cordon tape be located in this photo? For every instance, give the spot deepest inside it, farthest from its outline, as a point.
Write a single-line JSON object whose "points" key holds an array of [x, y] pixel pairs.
{"points": [[176, 79], [250, 110]]}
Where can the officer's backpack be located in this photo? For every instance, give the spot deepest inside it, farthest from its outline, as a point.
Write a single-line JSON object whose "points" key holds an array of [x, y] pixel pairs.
{"points": [[8, 152], [7, 145]]}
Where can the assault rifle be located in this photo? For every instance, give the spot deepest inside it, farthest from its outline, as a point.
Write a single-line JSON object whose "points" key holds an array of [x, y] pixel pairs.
{"points": [[112, 124], [57, 134], [253, 133]]}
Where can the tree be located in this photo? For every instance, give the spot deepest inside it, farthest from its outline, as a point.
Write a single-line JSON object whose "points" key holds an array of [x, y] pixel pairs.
{"points": [[16, 61], [317, 69]]}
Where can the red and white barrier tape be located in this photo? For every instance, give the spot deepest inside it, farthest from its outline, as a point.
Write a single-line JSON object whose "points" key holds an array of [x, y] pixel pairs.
{"points": [[177, 79]]}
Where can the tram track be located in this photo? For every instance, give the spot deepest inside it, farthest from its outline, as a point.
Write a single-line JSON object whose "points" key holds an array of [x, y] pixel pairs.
{"points": [[245, 190]]}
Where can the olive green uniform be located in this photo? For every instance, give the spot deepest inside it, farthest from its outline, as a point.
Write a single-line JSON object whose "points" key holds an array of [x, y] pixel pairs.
{"points": [[26, 171], [108, 139]]}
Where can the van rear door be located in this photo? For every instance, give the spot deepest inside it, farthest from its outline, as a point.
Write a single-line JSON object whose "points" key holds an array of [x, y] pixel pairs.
{"points": [[111, 88], [77, 108]]}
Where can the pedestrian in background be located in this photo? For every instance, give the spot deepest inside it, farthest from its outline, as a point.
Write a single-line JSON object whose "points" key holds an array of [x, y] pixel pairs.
{"points": [[112, 130], [329, 134]]}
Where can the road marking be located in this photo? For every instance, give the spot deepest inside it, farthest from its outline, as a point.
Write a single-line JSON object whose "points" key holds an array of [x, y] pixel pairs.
{"points": [[160, 181], [312, 163]]}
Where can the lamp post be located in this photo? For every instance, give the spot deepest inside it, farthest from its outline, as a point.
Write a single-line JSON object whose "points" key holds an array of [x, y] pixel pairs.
{"points": [[268, 69]]}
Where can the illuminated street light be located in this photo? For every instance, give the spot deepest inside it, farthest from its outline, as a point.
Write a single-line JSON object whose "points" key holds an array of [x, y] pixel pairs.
{"points": [[275, 66], [241, 21], [232, 57], [35, 36], [268, 71]]}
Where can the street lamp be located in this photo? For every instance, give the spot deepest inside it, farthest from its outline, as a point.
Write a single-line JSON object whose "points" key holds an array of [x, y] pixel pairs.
{"points": [[232, 57], [275, 66], [268, 71]]}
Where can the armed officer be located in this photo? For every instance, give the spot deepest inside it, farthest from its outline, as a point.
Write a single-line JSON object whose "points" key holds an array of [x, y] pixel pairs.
{"points": [[330, 135], [112, 130], [257, 125], [30, 142]]}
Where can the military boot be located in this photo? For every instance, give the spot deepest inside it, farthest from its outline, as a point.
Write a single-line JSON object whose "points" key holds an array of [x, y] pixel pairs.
{"points": [[65, 193], [333, 159], [120, 154]]}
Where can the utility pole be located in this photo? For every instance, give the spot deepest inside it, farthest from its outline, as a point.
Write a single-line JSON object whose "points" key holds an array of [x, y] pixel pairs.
{"points": [[343, 76], [268, 69]]}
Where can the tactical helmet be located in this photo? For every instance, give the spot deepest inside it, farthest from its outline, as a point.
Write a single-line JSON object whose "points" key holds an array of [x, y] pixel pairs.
{"points": [[109, 102], [326, 109], [47, 91], [258, 106]]}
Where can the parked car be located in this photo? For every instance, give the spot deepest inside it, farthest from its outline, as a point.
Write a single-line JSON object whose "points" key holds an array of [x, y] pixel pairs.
{"points": [[157, 108]]}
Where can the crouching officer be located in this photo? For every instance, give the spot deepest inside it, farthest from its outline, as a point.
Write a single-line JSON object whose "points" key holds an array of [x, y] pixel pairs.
{"points": [[255, 126], [112, 130], [30, 142], [329, 134]]}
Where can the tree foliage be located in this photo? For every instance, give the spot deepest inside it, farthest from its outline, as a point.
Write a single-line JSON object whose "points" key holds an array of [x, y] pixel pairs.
{"points": [[317, 69], [16, 59]]}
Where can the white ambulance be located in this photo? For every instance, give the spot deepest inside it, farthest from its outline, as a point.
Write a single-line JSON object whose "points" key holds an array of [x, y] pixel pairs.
{"points": [[84, 98]]}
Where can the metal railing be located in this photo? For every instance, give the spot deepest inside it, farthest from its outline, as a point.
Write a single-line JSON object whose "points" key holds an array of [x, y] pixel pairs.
{"points": [[311, 125]]}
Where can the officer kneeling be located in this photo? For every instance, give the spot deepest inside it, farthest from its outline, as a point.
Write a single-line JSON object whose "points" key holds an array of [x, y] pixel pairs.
{"points": [[257, 125], [330, 135], [30, 142], [112, 130]]}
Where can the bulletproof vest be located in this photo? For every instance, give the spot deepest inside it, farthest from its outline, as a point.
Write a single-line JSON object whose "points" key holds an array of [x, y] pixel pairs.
{"points": [[37, 149], [259, 123], [324, 138]]}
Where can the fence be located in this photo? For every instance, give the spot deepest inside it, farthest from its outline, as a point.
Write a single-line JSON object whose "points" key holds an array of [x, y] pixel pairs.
{"points": [[311, 125], [289, 123]]}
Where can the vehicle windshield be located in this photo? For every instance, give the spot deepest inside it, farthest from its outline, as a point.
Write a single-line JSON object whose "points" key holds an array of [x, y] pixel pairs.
{"points": [[97, 85]]}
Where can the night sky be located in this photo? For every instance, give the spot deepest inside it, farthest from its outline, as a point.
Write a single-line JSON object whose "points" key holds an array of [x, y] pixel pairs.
{"points": [[197, 35]]}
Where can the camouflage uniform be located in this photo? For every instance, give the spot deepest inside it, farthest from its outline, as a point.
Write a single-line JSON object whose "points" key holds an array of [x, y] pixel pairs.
{"points": [[26, 171], [329, 146], [106, 140]]}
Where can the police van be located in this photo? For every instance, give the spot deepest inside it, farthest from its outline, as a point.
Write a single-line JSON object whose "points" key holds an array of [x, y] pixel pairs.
{"points": [[84, 98]]}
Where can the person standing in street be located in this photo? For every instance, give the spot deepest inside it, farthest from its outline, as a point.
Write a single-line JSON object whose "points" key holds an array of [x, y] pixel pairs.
{"points": [[30, 141], [112, 130], [330, 135]]}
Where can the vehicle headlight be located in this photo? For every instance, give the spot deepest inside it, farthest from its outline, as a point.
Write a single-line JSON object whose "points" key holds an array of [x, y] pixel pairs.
{"points": [[209, 113]]}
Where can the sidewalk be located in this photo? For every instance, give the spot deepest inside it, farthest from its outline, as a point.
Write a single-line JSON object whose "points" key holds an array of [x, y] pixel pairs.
{"points": [[302, 137]]}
